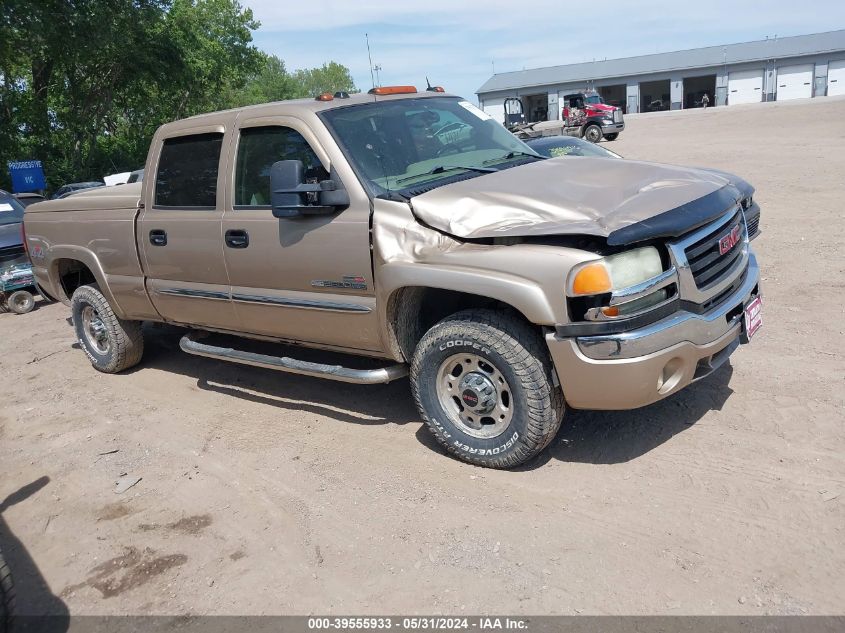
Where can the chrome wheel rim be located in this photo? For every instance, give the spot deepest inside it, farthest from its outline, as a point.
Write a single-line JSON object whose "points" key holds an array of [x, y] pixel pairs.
{"points": [[475, 395], [20, 301], [94, 330], [592, 134]]}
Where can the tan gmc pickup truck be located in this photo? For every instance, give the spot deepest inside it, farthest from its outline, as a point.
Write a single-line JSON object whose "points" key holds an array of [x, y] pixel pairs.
{"points": [[412, 228]]}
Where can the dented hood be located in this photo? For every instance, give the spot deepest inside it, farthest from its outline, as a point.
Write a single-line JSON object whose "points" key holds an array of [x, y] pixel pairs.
{"points": [[624, 201]]}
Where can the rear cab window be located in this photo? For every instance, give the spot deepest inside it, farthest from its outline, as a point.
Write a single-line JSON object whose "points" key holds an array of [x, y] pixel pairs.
{"points": [[187, 171]]}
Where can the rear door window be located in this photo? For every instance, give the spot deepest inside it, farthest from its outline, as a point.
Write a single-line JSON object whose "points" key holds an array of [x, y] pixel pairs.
{"points": [[187, 171]]}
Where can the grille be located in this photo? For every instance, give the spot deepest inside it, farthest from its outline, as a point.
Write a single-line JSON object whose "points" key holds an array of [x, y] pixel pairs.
{"points": [[617, 116], [9, 253], [753, 224], [707, 264]]}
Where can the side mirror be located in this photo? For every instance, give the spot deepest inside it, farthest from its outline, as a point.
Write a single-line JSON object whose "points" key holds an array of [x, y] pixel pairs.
{"points": [[291, 196]]}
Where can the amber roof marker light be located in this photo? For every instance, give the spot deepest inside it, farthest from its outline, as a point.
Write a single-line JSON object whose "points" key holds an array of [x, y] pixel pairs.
{"points": [[326, 96], [393, 90]]}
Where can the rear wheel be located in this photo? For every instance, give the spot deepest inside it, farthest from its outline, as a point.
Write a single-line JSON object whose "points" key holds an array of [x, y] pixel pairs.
{"points": [[611, 137], [21, 302], [482, 380], [592, 133], [111, 344]]}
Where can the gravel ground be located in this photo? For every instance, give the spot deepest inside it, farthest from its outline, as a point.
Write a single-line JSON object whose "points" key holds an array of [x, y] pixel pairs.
{"points": [[269, 493]]}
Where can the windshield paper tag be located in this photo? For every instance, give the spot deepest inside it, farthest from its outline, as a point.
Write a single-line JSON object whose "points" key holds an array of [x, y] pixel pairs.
{"points": [[5, 206], [481, 114]]}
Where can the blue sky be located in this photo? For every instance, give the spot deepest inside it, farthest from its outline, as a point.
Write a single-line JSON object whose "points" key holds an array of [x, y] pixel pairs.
{"points": [[457, 44]]}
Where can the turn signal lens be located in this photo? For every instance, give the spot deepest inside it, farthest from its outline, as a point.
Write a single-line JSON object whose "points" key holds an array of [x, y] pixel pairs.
{"points": [[612, 311], [593, 279]]}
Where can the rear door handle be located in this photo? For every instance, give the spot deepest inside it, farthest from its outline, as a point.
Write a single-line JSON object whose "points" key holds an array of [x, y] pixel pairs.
{"points": [[237, 238], [158, 237]]}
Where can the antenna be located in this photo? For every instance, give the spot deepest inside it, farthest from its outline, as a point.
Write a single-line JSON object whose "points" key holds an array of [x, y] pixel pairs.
{"points": [[372, 77]]}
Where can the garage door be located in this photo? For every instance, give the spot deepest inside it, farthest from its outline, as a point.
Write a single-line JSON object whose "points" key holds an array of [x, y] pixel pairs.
{"points": [[745, 87], [836, 78], [495, 109], [795, 82]]}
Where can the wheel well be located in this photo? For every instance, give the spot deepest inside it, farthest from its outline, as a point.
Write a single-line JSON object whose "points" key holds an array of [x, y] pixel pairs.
{"points": [[412, 311], [72, 274]]}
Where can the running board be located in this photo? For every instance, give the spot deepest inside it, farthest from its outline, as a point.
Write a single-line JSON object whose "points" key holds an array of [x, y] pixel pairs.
{"points": [[283, 363]]}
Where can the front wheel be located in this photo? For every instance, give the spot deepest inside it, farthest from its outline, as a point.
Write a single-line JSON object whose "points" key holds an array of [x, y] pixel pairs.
{"points": [[611, 137], [592, 133], [482, 380], [111, 344]]}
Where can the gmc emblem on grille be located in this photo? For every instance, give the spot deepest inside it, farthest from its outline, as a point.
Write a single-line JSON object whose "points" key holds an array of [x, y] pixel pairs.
{"points": [[730, 240]]}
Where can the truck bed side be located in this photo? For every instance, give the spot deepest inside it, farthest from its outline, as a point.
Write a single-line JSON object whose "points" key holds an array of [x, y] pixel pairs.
{"points": [[67, 250]]}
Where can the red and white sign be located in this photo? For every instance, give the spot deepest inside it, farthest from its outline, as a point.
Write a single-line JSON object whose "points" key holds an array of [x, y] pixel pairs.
{"points": [[730, 240], [753, 317]]}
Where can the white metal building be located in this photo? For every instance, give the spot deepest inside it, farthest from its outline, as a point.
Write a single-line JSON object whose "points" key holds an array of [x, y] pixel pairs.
{"points": [[764, 70]]}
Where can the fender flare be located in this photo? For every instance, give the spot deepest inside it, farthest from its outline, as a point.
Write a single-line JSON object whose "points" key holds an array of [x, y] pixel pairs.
{"points": [[89, 259], [521, 294]]}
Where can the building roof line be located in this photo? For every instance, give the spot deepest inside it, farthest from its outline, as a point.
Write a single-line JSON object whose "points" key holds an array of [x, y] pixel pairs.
{"points": [[737, 52]]}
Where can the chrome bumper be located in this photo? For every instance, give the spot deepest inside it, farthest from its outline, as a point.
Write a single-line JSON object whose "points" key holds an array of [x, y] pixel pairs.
{"points": [[613, 128]]}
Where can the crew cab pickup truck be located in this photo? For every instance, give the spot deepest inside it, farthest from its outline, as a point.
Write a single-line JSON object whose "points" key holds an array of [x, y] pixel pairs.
{"points": [[412, 228]]}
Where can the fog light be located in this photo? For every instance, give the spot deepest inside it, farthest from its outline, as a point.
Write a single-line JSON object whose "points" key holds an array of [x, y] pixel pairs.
{"points": [[671, 375]]}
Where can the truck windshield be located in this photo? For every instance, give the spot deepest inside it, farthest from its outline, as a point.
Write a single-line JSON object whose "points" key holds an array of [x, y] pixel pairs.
{"points": [[409, 146], [593, 99]]}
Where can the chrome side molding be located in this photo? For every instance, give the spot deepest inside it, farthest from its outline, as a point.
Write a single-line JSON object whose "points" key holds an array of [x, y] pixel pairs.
{"points": [[190, 345]]}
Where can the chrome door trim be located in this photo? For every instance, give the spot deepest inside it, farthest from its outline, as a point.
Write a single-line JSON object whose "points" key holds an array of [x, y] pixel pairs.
{"points": [[196, 294], [306, 304]]}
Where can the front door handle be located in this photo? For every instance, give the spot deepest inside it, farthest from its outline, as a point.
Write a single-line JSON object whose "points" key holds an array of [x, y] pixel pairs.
{"points": [[237, 238], [158, 237]]}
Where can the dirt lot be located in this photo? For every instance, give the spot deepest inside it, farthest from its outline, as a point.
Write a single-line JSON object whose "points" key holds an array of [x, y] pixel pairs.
{"points": [[269, 493]]}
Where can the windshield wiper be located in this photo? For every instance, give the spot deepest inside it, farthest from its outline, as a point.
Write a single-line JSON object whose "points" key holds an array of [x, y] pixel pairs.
{"points": [[511, 155], [442, 169]]}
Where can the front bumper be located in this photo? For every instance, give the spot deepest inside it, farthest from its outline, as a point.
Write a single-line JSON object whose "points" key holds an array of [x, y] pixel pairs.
{"points": [[612, 128], [642, 366]]}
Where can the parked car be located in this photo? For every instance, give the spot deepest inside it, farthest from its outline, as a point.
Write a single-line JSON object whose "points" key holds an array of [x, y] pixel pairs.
{"points": [[66, 190], [136, 176], [29, 198], [17, 284], [556, 146], [414, 229]]}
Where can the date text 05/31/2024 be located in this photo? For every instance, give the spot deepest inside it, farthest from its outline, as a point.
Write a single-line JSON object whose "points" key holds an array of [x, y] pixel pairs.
{"points": [[436, 623]]}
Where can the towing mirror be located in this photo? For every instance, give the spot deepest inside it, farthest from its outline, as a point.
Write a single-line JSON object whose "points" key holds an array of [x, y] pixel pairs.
{"points": [[291, 196]]}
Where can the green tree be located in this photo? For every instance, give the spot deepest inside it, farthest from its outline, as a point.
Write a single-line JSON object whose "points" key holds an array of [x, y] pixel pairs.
{"points": [[85, 83], [271, 83], [331, 77]]}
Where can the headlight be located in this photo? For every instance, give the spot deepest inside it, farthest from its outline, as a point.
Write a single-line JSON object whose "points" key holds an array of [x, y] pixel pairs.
{"points": [[620, 285], [616, 272]]}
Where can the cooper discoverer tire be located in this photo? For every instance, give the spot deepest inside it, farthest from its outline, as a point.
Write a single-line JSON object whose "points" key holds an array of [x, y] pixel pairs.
{"points": [[111, 344], [482, 381]]}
